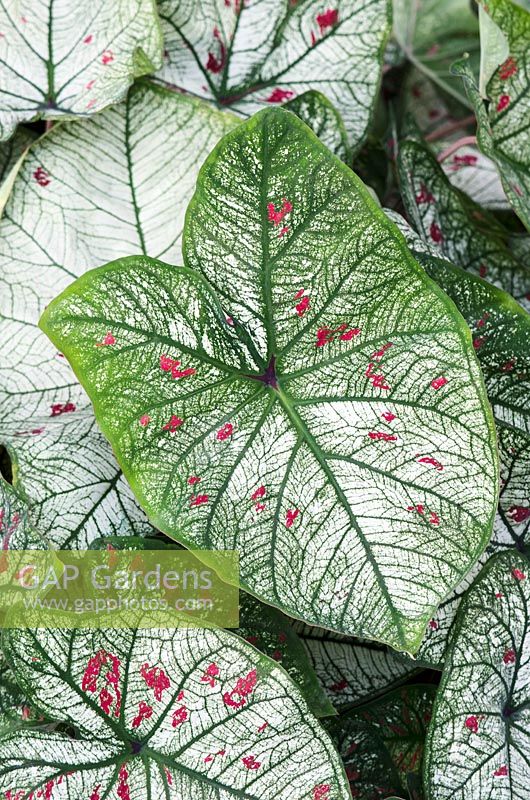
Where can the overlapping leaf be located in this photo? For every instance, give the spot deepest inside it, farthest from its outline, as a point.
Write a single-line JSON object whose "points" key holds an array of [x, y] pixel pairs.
{"points": [[382, 743], [319, 407], [87, 192], [351, 671], [247, 55], [464, 233], [185, 713], [322, 117], [478, 744], [59, 58], [11, 153], [16, 529], [503, 124]]}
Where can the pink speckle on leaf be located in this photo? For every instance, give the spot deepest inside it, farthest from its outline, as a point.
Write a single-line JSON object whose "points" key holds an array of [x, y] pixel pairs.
{"points": [[169, 777], [340, 686], [322, 791], [156, 679], [280, 95], [518, 574], [198, 500], [123, 791], [478, 342], [327, 335], [225, 432], [385, 437], [210, 757], [377, 355], [215, 63], [433, 462], [179, 716], [168, 364], [499, 595], [303, 302], [424, 196], [174, 423], [61, 408], [90, 85], [92, 674], [388, 416], [193, 479], [107, 57], [250, 762], [508, 69], [263, 727], [509, 657], [88, 39], [107, 340], [465, 161], [145, 711], [277, 216], [376, 379], [471, 724], [501, 772], [433, 625], [436, 233], [437, 383], [144, 420], [42, 177], [290, 517], [504, 102], [259, 493], [210, 674], [237, 697], [328, 19], [519, 513]]}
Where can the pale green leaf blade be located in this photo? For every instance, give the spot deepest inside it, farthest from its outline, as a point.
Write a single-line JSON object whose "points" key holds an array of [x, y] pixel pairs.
{"points": [[269, 442], [87, 192], [63, 59], [352, 671], [478, 743], [462, 232], [503, 126], [322, 117], [247, 55], [184, 713]]}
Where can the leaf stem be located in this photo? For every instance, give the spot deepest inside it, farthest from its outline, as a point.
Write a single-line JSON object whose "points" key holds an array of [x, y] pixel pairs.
{"points": [[456, 146], [450, 127]]}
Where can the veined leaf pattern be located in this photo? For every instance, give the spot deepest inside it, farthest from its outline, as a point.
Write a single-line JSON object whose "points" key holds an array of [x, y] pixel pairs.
{"points": [[503, 127], [87, 192], [184, 713], [478, 742], [16, 529], [245, 56], [72, 59], [316, 404]]}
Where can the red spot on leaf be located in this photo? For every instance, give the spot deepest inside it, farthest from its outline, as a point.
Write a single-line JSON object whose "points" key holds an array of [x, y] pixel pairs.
{"points": [[424, 196], [61, 408], [376, 379], [471, 723], [42, 177], [215, 63], [437, 383], [322, 791], [509, 657], [108, 339], [124, 790], [179, 716], [250, 762], [388, 416], [519, 513], [237, 697], [92, 674], [107, 57], [340, 686], [465, 161], [436, 233], [144, 420], [193, 479], [277, 216], [303, 304], [433, 462], [144, 712], [327, 20], [225, 432], [168, 364], [504, 102], [210, 674], [198, 500], [156, 679], [433, 625], [327, 335], [508, 69], [501, 772], [290, 517], [174, 423], [279, 95], [385, 437], [263, 727], [518, 575]]}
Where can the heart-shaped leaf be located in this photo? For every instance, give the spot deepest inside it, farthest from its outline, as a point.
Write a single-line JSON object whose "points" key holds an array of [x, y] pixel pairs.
{"points": [[318, 408], [185, 713], [352, 671], [148, 152], [502, 126], [478, 742], [72, 59], [389, 733], [463, 232], [247, 55]]}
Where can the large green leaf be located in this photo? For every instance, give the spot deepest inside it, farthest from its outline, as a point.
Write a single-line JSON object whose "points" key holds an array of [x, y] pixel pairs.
{"points": [[479, 742], [87, 192], [382, 743], [352, 671], [247, 55], [59, 58], [188, 713], [503, 123], [318, 405], [463, 232]]}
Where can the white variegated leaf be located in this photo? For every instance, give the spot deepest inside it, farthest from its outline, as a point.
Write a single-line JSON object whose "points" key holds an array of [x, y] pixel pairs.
{"points": [[86, 192], [479, 739], [196, 714], [247, 55], [310, 408], [17, 531], [61, 58]]}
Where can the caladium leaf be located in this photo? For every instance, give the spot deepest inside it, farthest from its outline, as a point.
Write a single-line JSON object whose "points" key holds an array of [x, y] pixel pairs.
{"points": [[267, 629], [184, 713], [463, 232], [396, 723], [247, 55], [68, 59], [352, 671], [11, 155], [502, 125], [13, 706], [433, 34], [58, 196], [317, 407], [478, 742], [322, 117]]}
